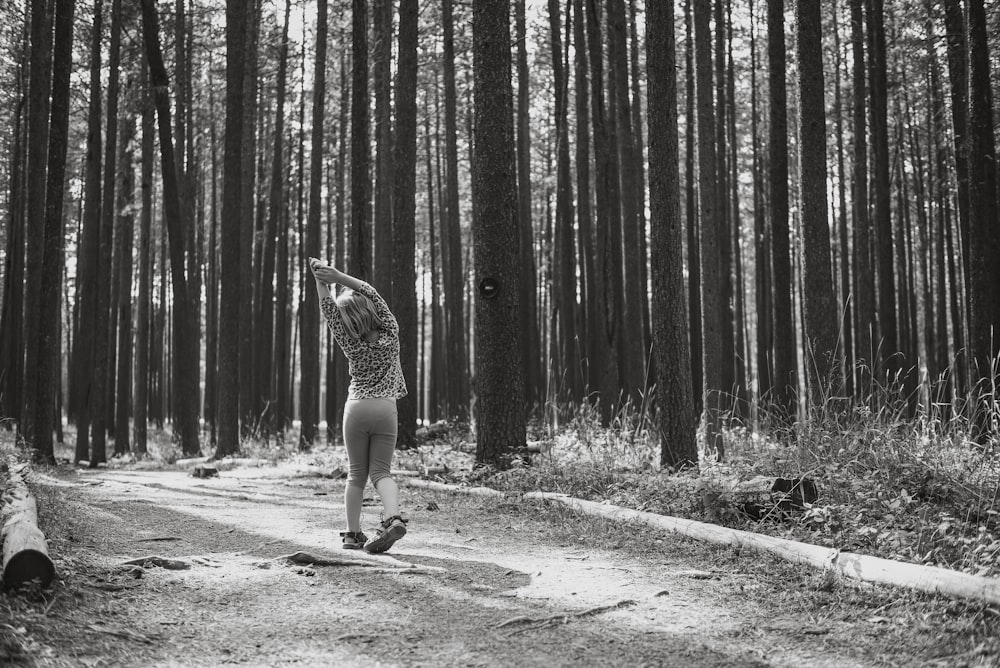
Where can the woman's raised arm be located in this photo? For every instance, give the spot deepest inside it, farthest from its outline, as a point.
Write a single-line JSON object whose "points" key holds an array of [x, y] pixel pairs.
{"points": [[328, 275]]}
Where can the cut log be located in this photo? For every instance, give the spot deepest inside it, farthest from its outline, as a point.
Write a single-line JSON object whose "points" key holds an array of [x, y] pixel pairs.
{"points": [[540, 447], [190, 461], [441, 487], [25, 550], [433, 431]]}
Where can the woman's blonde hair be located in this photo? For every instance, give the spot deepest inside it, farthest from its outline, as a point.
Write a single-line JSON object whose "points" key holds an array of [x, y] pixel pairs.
{"points": [[357, 313]]}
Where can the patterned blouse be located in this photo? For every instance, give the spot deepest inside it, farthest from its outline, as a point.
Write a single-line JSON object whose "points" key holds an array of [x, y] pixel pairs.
{"points": [[373, 365]]}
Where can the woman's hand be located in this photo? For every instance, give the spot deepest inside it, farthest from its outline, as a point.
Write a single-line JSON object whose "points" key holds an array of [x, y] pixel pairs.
{"points": [[323, 272]]}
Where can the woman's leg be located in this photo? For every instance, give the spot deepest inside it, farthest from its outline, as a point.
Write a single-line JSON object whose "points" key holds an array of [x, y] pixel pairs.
{"points": [[381, 448], [356, 439]]}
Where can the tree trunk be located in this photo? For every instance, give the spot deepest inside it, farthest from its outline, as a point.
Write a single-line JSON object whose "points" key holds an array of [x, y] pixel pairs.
{"points": [[711, 307], [125, 195], [309, 409], [605, 301], [593, 352], [338, 382], [984, 229], [724, 221], [404, 296], [39, 89], [11, 327], [888, 342], [230, 239], [530, 344], [762, 238], [359, 252], [103, 367], [845, 302], [864, 270], [820, 299], [185, 345], [565, 352], [785, 382], [634, 347], [740, 397], [248, 160], [49, 344], [675, 417], [382, 224], [264, 329], [451, 235], [144, 297], [691, 216], [640, 175], [500, 420]]}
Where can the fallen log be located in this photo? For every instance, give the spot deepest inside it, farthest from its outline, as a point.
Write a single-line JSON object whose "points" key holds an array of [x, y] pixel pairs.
{"points": [[25, 550], [442, 487], [861, 567], [864, 568]]}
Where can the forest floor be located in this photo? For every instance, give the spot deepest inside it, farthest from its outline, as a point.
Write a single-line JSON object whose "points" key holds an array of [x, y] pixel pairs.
{"points": [[489, 583]]}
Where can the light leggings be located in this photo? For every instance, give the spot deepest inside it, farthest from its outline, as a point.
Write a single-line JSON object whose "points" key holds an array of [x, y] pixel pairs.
{"points": [[370, 438]]}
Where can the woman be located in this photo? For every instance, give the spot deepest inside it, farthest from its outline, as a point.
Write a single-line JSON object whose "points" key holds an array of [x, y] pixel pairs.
{"points": [[368, 333]]}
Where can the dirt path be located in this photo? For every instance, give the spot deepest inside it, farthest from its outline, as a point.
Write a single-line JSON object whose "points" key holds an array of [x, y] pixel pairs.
{"points": [[518, 585]]}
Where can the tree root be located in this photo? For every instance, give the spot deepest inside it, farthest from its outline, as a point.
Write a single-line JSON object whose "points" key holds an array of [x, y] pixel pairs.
{"points": [[533, 623], [382, 564], [170, 564]]}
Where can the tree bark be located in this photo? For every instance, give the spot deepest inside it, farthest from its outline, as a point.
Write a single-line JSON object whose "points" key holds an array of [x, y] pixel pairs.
{"points": [[675, 417], [144, 298], [126, 224], [845, 302], [711, 237], [888, 342], [691, 215], [864, 287], [634, 346], [593, 353], [264, 329], [232, 219], [785, 383], [11, 327], [565, 353], [382, 224], [103, 364], [185, 345], [530, 341], [248, 419], [39, 89], [724, 224], [984, 229], [500, 420], [359, 251], [606, 300], [49, 344], [762, 237], [404, 278], [821, 331], [309, 388]]}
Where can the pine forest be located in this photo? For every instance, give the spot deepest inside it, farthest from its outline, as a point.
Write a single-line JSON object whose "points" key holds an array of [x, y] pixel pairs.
{"points": [[711, 216]]}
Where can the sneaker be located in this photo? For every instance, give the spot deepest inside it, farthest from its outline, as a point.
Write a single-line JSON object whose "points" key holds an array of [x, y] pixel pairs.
{"points": [[353, 540], [391, 530]]}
